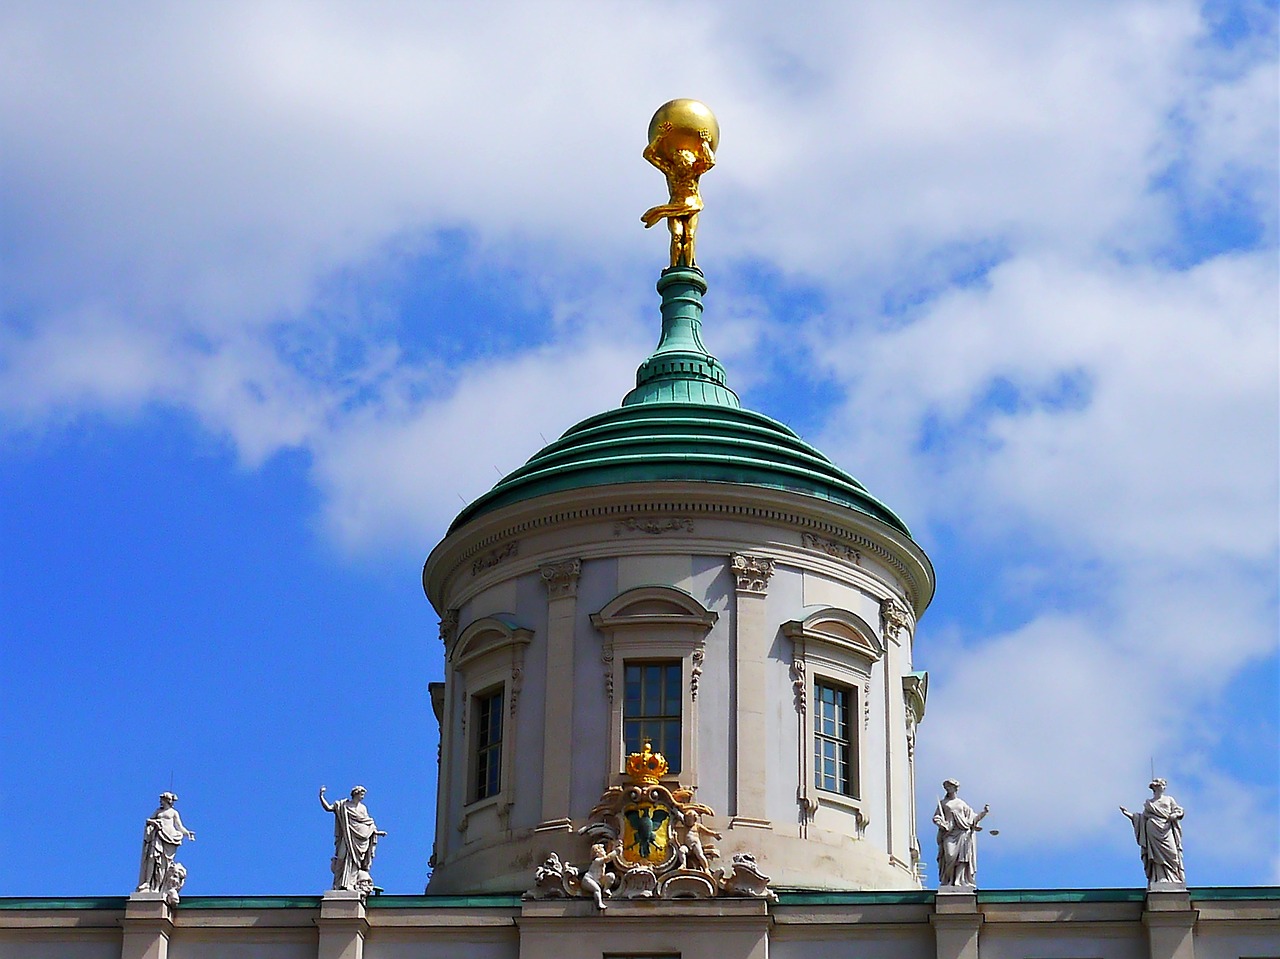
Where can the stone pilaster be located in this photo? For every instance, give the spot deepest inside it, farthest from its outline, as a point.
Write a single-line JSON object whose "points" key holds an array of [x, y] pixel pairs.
{"points": [[956, 922], [750, 639], [148, 924], [1170, 923], [342, 925], [561, 580]]}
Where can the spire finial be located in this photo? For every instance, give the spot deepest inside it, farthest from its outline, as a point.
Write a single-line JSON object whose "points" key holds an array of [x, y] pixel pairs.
{"points": [[683, 136]]}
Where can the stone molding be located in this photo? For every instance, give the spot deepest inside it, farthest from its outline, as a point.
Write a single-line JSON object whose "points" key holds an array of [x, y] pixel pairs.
{"points": [[618, 503], [751, 573], [561, 579]]}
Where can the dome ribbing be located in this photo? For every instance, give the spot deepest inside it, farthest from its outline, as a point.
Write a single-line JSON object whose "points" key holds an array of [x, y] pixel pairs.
{"points": [[681, 423]]}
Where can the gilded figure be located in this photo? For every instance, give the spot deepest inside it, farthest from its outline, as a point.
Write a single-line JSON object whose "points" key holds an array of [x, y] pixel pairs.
{"points": [[683, 137]]}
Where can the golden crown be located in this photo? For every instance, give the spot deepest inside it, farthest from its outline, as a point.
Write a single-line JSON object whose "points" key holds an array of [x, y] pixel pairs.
{"points": [[646, 766]]}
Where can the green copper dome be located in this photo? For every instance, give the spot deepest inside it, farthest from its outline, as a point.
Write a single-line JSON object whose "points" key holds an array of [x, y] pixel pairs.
{"points": [[681, 422]]}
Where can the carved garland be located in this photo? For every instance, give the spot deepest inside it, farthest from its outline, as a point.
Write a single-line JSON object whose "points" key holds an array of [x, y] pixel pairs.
{"points": [[654, 527]]}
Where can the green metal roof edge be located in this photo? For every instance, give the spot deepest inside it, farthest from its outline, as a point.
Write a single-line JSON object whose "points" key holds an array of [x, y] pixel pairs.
{"points": [[786, 897], [807, 897], [641, 469], [496, 900], [57, 902], [811, 897], [1061, 895], [1226, 893]]}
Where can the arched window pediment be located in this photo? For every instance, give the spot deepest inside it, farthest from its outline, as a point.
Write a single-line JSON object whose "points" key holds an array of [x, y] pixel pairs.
{"points": [[488, 635], [649, 606], [838, 629]]}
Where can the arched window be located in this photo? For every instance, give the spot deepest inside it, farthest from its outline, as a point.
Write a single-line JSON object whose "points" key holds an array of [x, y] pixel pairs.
{"points": [[654, 641]]}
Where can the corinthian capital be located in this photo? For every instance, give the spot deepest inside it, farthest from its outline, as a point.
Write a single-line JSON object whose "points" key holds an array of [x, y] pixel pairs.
{"points": [[752, 572], [561, 579]]}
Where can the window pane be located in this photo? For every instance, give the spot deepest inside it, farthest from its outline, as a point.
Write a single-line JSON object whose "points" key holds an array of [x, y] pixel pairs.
{"points": [[652, 706], [833, 739], [488, 745]]}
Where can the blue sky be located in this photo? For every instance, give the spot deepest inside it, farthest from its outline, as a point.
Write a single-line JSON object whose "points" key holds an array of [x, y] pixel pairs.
{"points": [[283, 285]]}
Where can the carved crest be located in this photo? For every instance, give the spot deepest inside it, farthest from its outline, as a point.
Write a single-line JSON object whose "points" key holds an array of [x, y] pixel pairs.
{"points": [[650, 842]]}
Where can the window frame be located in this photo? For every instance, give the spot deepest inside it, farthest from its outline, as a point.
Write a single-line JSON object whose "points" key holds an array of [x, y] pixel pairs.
{"points": [[648, 624], [839, 648], [488, 658]]}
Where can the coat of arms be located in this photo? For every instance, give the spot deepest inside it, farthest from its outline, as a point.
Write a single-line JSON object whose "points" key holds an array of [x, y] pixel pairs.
{"points": [[651, 842]]}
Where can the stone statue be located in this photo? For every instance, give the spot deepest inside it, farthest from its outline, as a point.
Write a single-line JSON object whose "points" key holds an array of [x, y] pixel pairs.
{"points": [[595, 880], [1158, 830], [693, 855], [683, 136], [161, 837], [957, 843], [355, 837]]}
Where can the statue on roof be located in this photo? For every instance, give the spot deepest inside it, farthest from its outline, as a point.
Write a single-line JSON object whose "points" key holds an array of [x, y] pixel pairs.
{"points": [[161, 837], [1158, 830], [355, 839], [683, 136], [958, 826]]}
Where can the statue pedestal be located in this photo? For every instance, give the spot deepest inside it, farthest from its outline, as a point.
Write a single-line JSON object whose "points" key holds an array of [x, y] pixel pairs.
{"points": [[342, 924], [956, 922], [1170, 921], [148, 923]]}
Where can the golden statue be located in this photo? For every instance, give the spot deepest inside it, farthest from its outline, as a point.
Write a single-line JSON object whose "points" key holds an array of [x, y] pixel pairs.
{"points": [[683, 136]]}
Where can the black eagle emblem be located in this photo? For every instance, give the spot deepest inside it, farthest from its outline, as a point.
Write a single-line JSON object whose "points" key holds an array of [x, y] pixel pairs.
{"points": [[646, 826]]}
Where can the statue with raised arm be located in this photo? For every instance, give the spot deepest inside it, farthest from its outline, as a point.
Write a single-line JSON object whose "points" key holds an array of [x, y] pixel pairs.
{"points": [[683, 136], [355, 837], [1158, 830], [958, 826], [161, 837]]}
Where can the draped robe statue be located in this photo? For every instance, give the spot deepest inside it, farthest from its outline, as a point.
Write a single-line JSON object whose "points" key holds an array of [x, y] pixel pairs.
{"points": [[957, 842], [1158, 830], [161, 837], [355, 837]]}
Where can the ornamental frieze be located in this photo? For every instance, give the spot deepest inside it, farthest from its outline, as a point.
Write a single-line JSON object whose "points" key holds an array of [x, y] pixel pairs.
{"points": [[831, 547], [494, 557], [653, 527]]}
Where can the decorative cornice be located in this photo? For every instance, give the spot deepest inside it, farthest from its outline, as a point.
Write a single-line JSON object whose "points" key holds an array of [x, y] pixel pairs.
{"points": [[714, 501], [752, 573], [561, 579]]}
